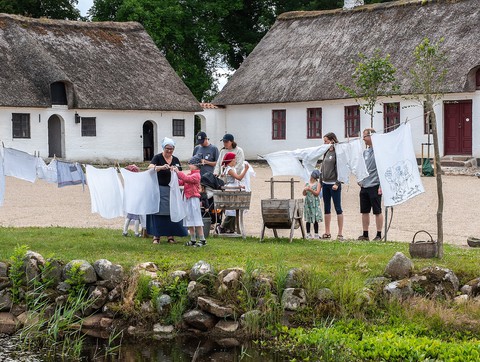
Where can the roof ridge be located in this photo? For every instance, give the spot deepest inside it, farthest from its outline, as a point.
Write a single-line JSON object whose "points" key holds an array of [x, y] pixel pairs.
{"points": [[127, 25], [291, 15]]}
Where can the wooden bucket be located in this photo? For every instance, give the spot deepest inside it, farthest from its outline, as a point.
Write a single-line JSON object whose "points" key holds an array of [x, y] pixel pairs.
{"points": [[423, 249], [232, 200], [278, 213]]}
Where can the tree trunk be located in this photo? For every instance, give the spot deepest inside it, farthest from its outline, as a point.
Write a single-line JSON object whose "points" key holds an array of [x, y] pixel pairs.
{"points": [[438, 174]]}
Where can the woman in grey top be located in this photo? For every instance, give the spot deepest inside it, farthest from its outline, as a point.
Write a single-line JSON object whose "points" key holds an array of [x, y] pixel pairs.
{"points": [[332, 188]]}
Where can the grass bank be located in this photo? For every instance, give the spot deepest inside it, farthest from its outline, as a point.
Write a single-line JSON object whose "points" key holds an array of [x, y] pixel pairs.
{"points": [[415, 330]]}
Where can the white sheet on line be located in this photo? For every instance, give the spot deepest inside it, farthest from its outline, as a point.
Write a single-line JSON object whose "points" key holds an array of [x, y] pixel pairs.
{"points": [[106, 192], [46, 172], [141, 192], [397, 165], [19, 164]]}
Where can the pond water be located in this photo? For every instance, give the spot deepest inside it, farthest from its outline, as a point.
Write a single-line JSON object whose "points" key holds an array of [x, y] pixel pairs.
{"points": [[173, 350]]}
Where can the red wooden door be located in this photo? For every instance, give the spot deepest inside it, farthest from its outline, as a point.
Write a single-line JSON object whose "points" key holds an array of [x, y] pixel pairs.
{"points": [[458, 127]]}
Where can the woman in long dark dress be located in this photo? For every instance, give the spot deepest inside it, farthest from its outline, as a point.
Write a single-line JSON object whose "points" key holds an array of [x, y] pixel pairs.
{"points": [[159, 224]]}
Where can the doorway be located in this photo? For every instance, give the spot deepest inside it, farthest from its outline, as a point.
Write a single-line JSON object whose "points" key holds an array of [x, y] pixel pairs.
{"points": [[458, 127], [148, 141], [55, 137]]}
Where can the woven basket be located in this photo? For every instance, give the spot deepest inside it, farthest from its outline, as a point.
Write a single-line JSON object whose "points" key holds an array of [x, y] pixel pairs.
{"points": [[423, 248]]}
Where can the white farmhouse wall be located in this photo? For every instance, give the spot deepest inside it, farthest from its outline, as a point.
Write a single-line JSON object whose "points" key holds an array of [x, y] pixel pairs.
{"points": [[252, 124], [213, 124], [118, 133]]}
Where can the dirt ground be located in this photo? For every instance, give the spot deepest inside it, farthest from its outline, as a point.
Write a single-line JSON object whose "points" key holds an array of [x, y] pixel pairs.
{"points": [[43, 204]]}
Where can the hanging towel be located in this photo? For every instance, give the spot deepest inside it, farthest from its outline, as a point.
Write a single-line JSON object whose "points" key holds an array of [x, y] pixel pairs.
{"points": [[177, 203], [397, 165], [141, 192], [106, 192], [47, 172], [69, 174], [19, 164]]}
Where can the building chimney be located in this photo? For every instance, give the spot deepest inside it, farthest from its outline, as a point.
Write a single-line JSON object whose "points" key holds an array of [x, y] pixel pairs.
{"points": [[350, 4]]}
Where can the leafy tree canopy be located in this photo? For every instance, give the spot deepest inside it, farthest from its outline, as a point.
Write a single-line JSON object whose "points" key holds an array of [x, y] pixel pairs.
{"points": [[53, 9]]}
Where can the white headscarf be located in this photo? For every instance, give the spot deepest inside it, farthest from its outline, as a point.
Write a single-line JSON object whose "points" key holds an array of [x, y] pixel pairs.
{"points": [[168, 142]]}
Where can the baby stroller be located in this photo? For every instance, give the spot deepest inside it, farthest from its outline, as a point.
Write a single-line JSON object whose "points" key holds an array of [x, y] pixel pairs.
{"points": [[210, 183]]}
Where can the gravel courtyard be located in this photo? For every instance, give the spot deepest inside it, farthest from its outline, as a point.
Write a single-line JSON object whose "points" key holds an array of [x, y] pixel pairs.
{"points": [[43, 204]]}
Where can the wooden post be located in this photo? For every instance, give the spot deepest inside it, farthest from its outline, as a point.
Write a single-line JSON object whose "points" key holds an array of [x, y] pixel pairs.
{"points": [[292, 193], [272, 193]]}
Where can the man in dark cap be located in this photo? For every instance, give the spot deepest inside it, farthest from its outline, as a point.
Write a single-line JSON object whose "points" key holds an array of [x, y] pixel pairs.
{"points": [[207, 153]]}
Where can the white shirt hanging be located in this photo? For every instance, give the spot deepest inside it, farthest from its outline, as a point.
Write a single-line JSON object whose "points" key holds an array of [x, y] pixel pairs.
{"points": [[19, 164]]}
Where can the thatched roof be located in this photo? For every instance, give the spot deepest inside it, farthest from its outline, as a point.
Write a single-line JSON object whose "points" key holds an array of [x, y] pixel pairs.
{"points": [[305, 54], [104, 66]]}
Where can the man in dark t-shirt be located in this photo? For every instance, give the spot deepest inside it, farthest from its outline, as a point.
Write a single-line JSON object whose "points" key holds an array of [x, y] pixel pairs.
{"points": [[207, 152]]}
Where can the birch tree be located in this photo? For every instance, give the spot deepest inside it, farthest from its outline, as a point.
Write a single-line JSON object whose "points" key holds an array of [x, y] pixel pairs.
{"points": [[428, 80]]}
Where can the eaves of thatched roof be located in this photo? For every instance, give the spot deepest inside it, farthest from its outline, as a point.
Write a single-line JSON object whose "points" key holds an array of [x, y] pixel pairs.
{"points": [[305, 54], [104, 65]]}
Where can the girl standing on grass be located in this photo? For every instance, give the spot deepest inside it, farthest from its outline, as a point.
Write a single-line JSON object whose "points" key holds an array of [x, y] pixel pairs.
{"points": [[311, 211], [193, 219]]}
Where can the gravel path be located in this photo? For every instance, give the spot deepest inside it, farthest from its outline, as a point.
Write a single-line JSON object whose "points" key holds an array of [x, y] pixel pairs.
{"points": [[43, 204]]}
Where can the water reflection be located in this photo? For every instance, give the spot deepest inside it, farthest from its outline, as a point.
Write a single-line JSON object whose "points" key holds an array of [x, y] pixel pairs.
{"points": [[177, 350]]}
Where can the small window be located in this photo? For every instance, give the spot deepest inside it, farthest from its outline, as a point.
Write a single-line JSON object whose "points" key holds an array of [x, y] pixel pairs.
{"points": [[89, 127], [314, 123], [279, 123], [478, 79], [352, 121], [58, 93], [178, 127], [391, 116], [21, 125]]}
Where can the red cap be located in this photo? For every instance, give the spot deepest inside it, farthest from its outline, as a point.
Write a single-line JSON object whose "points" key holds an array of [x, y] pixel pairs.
{"points": [[228, 157]]}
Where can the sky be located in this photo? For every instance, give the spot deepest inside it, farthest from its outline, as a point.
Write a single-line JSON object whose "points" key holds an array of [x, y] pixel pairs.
{"points": [[84, 6]]}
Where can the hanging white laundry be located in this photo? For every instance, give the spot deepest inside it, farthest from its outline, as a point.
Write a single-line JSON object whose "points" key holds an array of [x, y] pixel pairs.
{"points": [[178, 209], [19, 164], [397, 165], [106, 192], [141, 192], [247, 178], [350, 160], [46, 172], [284, 163], [69, 174], [2, 181], [309, 157]]}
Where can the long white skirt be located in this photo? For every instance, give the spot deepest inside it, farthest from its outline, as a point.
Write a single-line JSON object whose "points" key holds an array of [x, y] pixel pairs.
{"points": [[194, 213]]}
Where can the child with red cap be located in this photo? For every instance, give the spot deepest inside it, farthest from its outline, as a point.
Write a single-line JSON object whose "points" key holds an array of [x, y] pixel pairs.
{"points": [[232, 180]]}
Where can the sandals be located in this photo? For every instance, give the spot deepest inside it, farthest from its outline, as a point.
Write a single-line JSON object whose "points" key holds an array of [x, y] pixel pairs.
{"points": [[340, 238], [156, 240], [326, 236], [171, 241]]}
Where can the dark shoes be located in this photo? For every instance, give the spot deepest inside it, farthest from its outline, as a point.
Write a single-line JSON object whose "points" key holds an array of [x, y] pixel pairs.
{"points": [[365, 238]]}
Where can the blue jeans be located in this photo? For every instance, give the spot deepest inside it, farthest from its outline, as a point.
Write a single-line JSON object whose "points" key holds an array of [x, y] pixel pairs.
{"points": [[329, 195]]}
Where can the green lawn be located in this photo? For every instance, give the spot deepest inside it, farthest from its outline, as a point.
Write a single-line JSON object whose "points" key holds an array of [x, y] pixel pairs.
{"points": [[329, 258]]}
